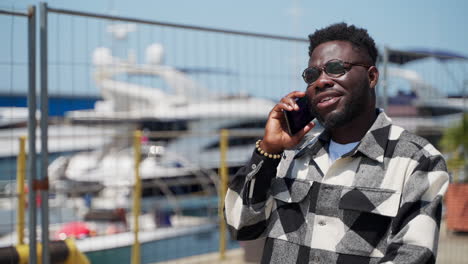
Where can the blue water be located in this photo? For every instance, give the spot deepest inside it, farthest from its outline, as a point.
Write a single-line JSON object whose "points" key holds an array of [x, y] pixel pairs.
{"points": [[206, 241], [166, 249]]}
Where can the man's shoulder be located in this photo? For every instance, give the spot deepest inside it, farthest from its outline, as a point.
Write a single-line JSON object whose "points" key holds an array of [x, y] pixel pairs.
{"points": [[405, 141], [415, 144]]}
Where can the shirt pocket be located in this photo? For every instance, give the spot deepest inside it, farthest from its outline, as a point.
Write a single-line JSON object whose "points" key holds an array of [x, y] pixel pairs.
{"points": [[290, 209], [367, 216], [290, 190], [372, 200]]}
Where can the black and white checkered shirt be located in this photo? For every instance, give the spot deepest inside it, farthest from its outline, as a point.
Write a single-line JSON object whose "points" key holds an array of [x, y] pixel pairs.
{"points": [[379, 203]]}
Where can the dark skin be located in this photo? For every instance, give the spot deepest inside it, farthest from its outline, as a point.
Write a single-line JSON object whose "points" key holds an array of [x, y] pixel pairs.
{"points": [[330, 97]]}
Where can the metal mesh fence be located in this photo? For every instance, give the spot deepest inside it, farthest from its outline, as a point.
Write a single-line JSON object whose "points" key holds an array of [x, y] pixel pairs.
{"points": [[179, 85], [13, 111]]}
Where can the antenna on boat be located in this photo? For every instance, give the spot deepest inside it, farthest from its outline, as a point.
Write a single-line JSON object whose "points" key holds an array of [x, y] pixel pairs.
{"points": [[120, 31]]}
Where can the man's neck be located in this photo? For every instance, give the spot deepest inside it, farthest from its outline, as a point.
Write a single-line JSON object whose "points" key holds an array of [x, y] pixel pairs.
{"points": [[354, 130]]}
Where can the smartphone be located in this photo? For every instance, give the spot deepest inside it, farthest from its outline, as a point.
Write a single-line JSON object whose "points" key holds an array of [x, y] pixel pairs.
{"points": [[296, 120]]}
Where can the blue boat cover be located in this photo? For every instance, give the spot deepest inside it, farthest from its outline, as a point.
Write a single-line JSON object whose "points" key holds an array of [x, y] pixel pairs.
{"points": [[405, 56]]}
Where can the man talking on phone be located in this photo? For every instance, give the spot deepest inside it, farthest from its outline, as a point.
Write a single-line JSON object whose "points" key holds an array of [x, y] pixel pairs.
{"points": [[362, 191]]}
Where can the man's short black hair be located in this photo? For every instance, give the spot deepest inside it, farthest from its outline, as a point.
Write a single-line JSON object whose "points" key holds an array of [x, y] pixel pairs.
{"points": [[341, 31]]}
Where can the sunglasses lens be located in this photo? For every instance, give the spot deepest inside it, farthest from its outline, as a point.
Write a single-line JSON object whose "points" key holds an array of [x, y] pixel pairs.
{"points": [[310, 75], [335, 68]]}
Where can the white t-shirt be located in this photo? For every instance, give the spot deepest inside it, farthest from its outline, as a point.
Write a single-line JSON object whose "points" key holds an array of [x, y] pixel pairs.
{"points": [[336, 150]]}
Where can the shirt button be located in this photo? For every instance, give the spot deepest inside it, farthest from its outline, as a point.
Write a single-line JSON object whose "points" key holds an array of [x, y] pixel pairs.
{"points": [[254, 166], [316, 259], [322, 223]]}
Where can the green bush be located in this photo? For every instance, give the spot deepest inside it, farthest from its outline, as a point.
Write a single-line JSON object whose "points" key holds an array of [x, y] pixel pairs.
{"points": [[454, 142]]}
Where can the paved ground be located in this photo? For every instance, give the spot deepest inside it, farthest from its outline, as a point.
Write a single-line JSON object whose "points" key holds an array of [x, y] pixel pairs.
{"points": [[453, 249]]}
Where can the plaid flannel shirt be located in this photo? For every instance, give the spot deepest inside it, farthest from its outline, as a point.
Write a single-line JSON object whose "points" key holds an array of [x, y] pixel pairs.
{"points": [[379, 203]]}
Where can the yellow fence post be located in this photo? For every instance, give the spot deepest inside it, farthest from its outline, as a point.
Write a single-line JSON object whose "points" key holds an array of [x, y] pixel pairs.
{"points": [[223, 173], [136, 197], [20, 176]]}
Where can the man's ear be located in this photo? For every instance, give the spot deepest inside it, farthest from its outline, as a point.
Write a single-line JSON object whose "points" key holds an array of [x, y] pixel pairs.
{"points": [[373, 74]]}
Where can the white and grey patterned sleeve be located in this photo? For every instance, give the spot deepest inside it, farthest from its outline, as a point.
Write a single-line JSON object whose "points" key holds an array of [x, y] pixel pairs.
{"points": [[248, 202], [415, 229]]}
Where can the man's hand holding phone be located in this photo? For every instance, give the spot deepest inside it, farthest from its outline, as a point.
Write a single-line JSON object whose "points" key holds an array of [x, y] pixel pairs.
{"points": [[277, 137], [298, 119]]}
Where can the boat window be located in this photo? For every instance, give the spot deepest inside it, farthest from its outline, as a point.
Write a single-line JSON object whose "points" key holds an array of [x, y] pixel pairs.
{"points": [[234, 142], [248, 124], [159, 125]]}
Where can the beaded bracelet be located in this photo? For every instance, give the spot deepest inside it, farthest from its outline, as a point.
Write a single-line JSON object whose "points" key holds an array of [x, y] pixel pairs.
{"points": [[266, 154]]}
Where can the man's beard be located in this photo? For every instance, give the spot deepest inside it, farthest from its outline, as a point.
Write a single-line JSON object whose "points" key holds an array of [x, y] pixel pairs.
{"points": [[354, 105]]}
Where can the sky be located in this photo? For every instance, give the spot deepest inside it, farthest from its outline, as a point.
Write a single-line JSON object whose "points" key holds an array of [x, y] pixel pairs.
{"points": [[432, 24], [398, 24]]}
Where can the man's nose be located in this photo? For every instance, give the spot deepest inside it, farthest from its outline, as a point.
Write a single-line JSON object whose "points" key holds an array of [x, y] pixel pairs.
{"points": [[323, 81]]}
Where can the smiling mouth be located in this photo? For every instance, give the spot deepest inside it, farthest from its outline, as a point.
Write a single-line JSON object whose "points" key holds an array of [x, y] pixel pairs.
{"points": [[328, 101]]}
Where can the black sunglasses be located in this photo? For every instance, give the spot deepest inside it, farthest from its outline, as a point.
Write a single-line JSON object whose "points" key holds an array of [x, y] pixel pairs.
{"points": [[333, 68]]}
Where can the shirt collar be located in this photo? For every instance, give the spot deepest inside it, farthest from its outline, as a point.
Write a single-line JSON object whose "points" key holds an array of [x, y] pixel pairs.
{"points": [[314, 145], [372, 145], [374, 142]]}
